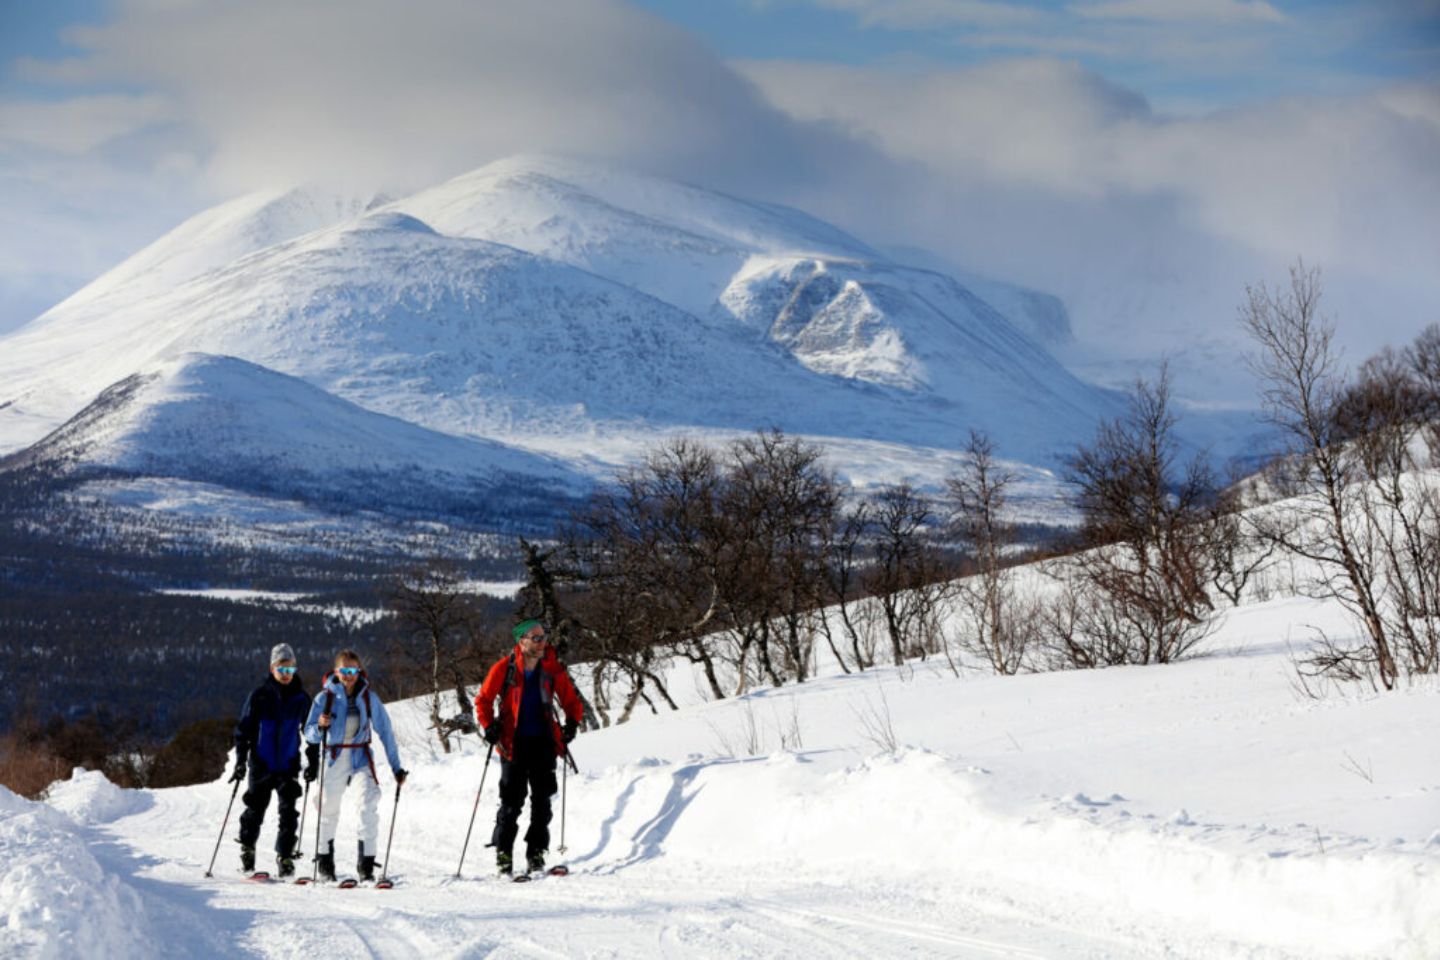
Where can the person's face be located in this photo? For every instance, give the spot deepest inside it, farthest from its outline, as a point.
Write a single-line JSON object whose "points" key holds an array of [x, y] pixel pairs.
{"points": [[284, 671], [532, 644], [349, 673]]}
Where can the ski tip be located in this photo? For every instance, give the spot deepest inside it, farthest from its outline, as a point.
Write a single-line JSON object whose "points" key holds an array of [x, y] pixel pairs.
{"points": [[258, 877], [384, 884], [559, 870], [520, 878]]}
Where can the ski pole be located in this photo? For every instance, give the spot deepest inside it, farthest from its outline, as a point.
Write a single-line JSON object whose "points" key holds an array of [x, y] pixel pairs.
{"points": [[320, 805], [385, 867], [473, 810], [564, 783], [300, 833], [224, 823]]}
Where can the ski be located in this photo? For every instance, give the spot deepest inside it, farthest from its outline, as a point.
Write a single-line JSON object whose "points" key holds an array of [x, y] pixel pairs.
{"points": [[349, 883], [559, 870], [259, 876], [385, 883]]}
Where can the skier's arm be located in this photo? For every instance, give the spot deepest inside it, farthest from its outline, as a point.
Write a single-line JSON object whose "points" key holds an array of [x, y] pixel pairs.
{"points": [[246, 728], [569, 697], [485, 696], [381, 724], [312, 725]]}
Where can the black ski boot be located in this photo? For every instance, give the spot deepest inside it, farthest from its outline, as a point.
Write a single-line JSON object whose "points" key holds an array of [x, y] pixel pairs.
{"points": [[247, 859], [325, 863], [535, 862], [365, 866], [286, 867], [504, 863]]}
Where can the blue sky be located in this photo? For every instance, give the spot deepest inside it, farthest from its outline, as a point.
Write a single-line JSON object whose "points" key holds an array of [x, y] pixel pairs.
{"points": [[1141, 159], [1247, 54]]}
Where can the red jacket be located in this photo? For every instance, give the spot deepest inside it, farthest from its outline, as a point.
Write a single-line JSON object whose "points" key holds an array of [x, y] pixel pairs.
{"points": [[555, 683]]}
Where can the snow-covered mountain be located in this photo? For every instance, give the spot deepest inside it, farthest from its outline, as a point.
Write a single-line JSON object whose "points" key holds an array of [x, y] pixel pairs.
{"points": [[228, 422], [561, 307]]}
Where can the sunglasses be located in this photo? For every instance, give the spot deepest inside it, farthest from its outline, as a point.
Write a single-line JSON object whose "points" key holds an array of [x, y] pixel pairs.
{"points": [[285, 670], [349, 671]]}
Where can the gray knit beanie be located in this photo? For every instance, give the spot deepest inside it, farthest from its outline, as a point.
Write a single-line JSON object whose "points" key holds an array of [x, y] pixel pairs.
{"points": [[281, 651]]}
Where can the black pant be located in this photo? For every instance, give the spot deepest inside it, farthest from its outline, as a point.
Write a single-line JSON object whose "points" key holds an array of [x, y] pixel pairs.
{"points": [[531, 766], [257, 798]]}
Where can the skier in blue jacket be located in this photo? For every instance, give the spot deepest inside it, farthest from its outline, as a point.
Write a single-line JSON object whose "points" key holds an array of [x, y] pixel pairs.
{"points": [[267, 744], [345, 718]]}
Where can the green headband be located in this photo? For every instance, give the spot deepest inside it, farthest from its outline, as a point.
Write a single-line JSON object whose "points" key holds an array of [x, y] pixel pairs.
{"points": [[523, 627]]}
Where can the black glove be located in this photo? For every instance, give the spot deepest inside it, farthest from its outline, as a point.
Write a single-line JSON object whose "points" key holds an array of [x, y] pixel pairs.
{"points": [[312, 770], [239, 773], [492, 734], [571, 728], [400, 776]]}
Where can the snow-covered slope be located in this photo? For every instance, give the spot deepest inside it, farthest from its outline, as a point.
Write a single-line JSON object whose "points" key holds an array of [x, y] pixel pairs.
{"points": [[839, 306], [216, 237], [1196, 811], [225, 421], [576, 311]]}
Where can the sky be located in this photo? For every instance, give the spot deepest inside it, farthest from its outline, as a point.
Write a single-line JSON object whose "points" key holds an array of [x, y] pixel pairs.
{"points": [[1141, 159]]}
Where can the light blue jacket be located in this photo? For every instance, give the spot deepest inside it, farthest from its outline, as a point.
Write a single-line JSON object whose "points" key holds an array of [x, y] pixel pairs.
{"points": [[371, 726]]}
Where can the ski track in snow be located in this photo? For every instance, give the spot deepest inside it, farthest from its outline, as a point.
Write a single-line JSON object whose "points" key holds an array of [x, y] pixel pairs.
{"points": [[1197, 810], [621, 908]]}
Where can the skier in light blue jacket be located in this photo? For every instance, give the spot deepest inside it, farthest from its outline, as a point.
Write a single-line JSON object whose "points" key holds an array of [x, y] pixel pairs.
{"points": [[345, 717]]}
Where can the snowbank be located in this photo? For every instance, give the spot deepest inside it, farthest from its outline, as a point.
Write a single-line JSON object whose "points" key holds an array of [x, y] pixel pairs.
{"points": [[55, 899], [921, 816], [88, 798]]}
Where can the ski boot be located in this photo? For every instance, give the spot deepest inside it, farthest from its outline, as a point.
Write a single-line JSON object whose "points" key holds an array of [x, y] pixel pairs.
{"points": [[247, 859], [286, 867], [535, 862], [504, 863], [365, 866], [325, 863]]}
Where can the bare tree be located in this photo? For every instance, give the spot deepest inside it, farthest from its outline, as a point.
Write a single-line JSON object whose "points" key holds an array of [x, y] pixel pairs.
{"points": [[996, 630], [1303, 393], [431, 607], [779, 505], [909, 578], [1142, 580], [1236, 555]]}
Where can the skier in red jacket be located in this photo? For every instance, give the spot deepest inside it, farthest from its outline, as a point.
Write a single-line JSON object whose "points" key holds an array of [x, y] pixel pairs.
{"points": [[527, 682]]}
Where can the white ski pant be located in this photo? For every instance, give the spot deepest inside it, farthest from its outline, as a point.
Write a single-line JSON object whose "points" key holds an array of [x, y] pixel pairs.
{"points": [[366, 791]]}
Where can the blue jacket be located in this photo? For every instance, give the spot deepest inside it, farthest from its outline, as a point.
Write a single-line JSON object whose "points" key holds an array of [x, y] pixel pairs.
{"points": [[372, 724], [267, 735]]}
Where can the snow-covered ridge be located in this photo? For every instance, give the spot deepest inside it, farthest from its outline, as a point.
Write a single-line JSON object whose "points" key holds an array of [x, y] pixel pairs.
{"points": [[558, 304], [223, 420]]}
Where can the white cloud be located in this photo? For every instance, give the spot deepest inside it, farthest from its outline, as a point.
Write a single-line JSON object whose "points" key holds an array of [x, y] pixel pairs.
{"points": [[79, 124], [286, 90], [1044, 171], [1190, 11], [1034, 170], [914, 14]]}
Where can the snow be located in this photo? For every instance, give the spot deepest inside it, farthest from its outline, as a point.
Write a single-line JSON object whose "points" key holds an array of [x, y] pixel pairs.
{"points": [[1200, 809], [223, 420], [88, 798], [538, 304], [56, 900]]}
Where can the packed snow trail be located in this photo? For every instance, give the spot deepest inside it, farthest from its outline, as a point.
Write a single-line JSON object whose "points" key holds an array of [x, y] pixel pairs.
{"points": [[620, 909], [1196, 810]]}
